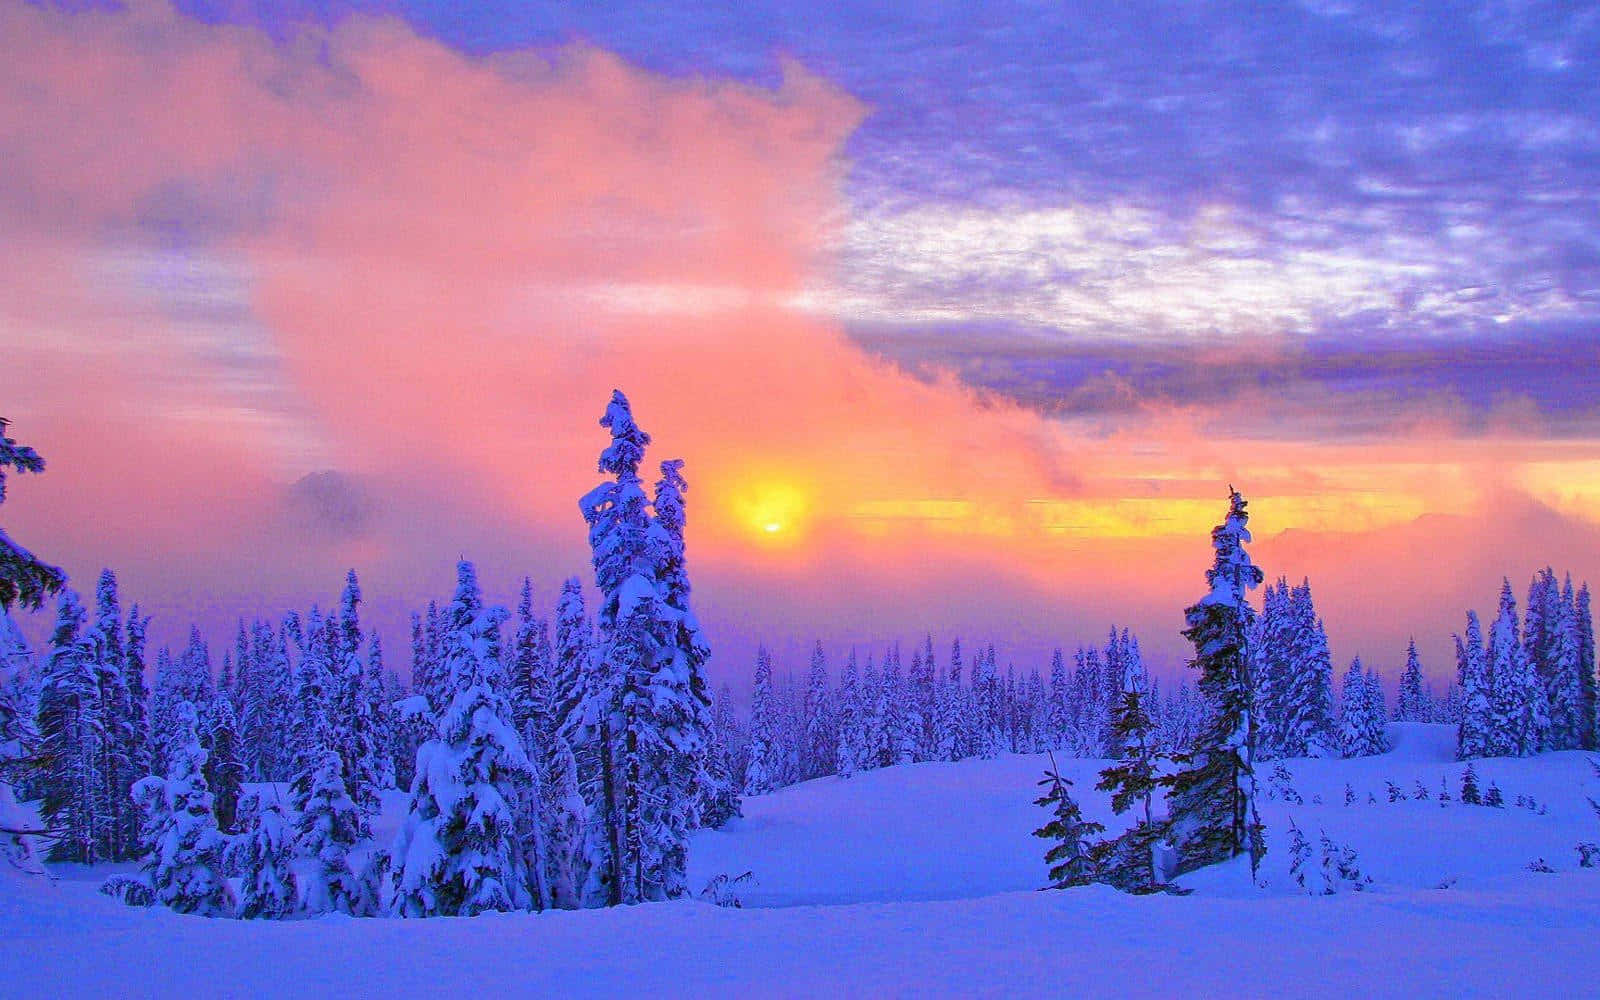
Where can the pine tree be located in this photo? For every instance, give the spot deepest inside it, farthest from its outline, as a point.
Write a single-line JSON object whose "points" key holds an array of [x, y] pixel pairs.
{"points": [[1069, 856], [184, 850], [136, 754], [1213, 809], [71, 731], [327, 827], [120, 746], [1132, 782], [1059, 719], [355, 732], [1357, 726], [1589, 722], [850, 720], [680, 691], [1412, 705], [1475, 736], [1521, 715], [819, 753], [24, 579], [459, 852], [760, 774], [1563, 681], [264, 856], [224, 772], [722, 803]]}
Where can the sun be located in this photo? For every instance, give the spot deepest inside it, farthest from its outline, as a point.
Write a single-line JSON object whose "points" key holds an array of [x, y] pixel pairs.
{"points": [[773, 511]]}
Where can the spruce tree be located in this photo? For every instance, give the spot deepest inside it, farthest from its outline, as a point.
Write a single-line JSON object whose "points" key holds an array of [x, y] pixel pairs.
{"points": [[71, 731], [327, 828], [25, 580], [1069, 858], [849, 753], [1412, 705], [818, 753], [183, 848], [459, 851], [1589, 722], [120, 746], [1475, 734], [264, 857], [1213, 811], [1132, 781], [224, 771], [760, 774]]}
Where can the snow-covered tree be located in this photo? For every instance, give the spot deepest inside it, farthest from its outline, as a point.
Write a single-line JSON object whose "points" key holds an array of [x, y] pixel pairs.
{"points": [[327, 828], [1590, 721], [224, 771], [459, 851], [264, 855], [1520, 709], [819, 752], [1361, 720], [71, 731], [1212, 802], [760, 775], [184, 850], [25, 580], [1475, 733], [850, 753], [1413, 702]]}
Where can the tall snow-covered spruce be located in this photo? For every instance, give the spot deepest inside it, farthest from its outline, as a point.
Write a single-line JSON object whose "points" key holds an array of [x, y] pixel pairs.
{"points": [[1213, 795], [644, 721]]}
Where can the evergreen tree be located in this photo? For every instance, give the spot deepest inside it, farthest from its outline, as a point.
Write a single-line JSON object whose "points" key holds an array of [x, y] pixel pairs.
{"points": [[71, 731], [1361, 734], [327, 827], [1412, 705], [1521, 712], [183, 849], [24, 579], [850, 719], [1475, 735], [120, 746], [136, 753], [1132, 781], [356, 735], [722, 801], [1059, 718], [1069, 856], [459, 851], [1561, 670], [1589, 722], [819, 753], [1213, 811], [760, 774], [224, 772], [264, 856]]}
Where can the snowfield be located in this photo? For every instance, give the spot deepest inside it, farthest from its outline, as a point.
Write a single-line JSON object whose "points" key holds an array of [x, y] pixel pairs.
{"points": [[919, 880]]}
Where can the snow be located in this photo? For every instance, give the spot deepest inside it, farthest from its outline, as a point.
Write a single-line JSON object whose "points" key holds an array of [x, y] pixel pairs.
{"points": [[919, 880]]}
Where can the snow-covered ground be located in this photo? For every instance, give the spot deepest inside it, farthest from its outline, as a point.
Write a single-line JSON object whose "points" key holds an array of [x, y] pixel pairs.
{"points": [[918, 880]]}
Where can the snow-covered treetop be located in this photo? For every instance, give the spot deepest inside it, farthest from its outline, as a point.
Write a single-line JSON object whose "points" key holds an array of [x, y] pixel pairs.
{"points": [[1233, 575], [628, 440]]}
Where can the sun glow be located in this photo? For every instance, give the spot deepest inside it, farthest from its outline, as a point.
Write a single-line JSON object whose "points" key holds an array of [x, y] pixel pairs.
{"points": [[773, 511]]}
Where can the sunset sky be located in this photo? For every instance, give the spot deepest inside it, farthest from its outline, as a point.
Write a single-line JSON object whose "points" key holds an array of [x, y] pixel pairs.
{"points": [[963, 317]]}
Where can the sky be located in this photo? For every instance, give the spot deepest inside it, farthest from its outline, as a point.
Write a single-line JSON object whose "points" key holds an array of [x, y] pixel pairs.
{"points": [[963, 317]]}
